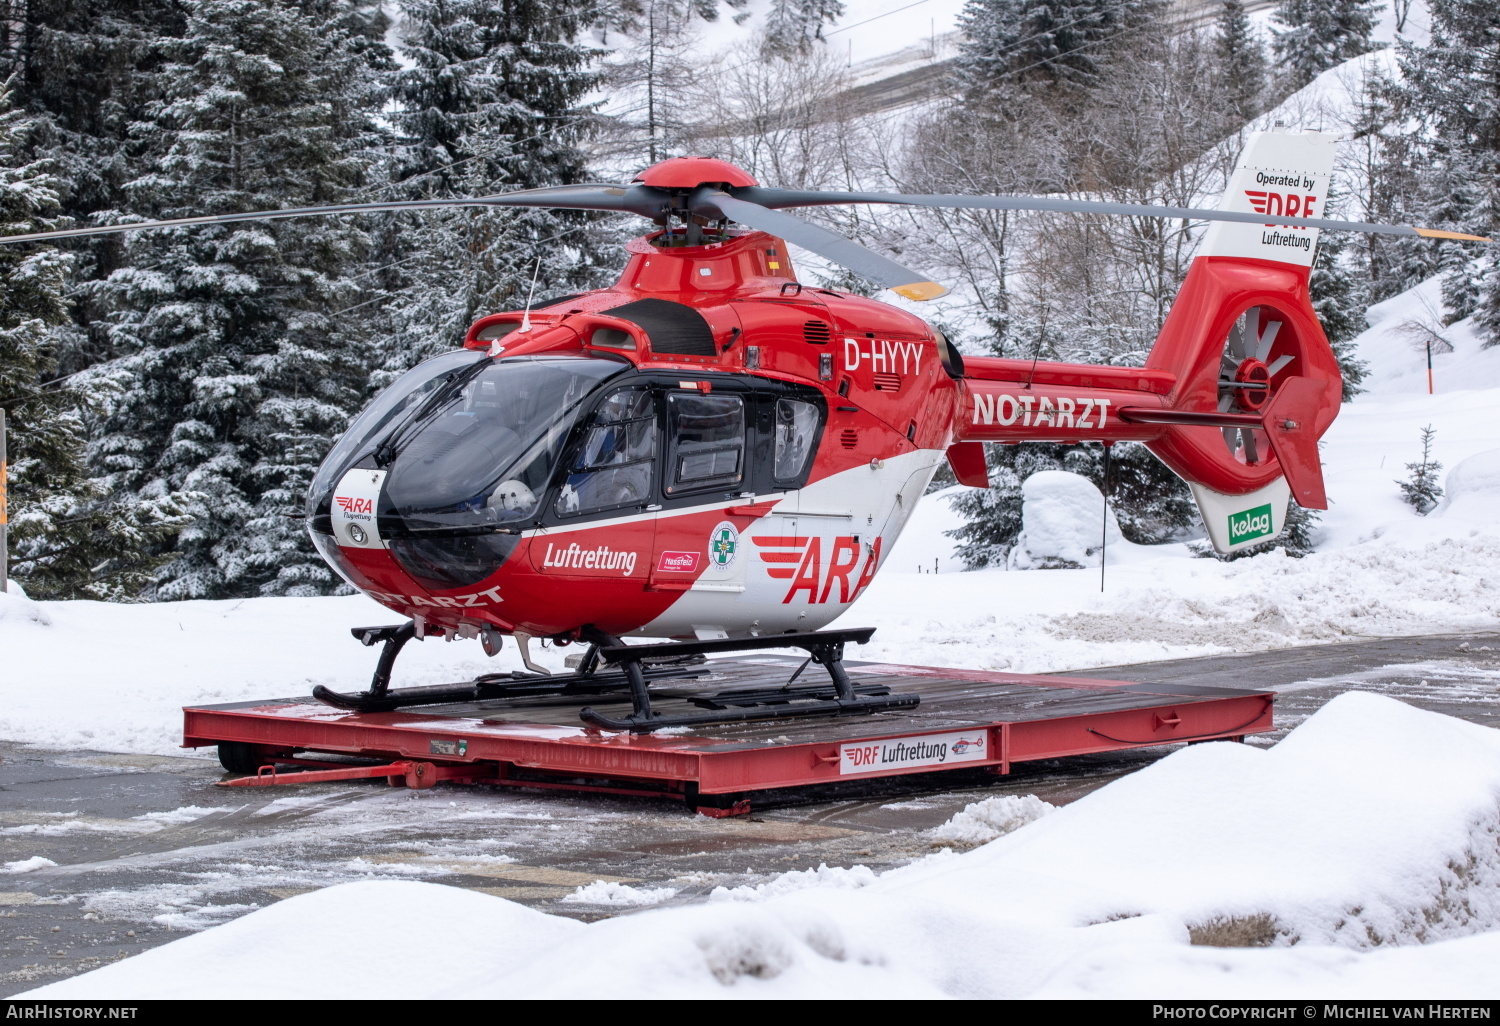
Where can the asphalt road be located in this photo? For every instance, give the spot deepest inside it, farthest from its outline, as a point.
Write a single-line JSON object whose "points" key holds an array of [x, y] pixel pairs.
{"points": [[148, 848]]}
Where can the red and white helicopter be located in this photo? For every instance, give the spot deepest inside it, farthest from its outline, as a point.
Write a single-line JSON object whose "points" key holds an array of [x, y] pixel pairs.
{"points": [[711, 450]]}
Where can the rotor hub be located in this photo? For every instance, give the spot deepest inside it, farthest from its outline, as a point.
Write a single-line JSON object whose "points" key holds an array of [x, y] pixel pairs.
{"points": [[1255, 377], [690, 172]]}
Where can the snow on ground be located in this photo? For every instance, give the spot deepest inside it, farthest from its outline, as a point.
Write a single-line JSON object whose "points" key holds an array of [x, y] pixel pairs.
{"points": [[1351, 851], [114, 677]]}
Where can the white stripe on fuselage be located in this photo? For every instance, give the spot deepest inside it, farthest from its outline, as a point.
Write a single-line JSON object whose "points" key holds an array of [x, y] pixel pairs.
{"points": [[870, 495]]}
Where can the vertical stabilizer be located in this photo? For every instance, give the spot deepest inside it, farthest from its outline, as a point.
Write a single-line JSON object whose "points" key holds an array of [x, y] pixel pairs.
{"points": [[1278, 173]]}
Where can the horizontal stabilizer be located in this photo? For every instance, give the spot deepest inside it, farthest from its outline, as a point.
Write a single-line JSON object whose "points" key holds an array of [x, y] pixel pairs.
{"points": [[967, 461]]}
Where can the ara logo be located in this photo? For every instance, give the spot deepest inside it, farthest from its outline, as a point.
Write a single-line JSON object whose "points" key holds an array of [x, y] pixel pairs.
{"points": [[800, 559], [1249, 525], [354, 504]]}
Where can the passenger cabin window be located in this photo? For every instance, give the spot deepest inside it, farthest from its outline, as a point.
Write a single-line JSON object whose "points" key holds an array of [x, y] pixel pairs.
{"points": [[613, 467], [796, 431], [708, 436]]}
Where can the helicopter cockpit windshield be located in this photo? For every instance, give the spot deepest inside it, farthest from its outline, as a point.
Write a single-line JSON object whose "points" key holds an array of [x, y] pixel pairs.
{"points": [[481, 449], [469, 443]]}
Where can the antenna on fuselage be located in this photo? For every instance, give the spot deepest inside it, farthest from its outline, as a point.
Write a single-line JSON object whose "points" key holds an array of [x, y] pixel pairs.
{"points": [[1036, 350], [1104, 524], [526, 316]]}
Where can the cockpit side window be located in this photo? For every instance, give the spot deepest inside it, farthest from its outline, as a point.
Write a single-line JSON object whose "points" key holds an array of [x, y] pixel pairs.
{"points": [[708, 441], [613, 465], [796, 436]]}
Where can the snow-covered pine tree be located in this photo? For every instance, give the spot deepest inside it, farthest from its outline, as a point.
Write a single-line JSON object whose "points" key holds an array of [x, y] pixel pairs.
{"points": [[69, 537], [990, 29], [1320, 34], [792, 26], [85, 71], [1421, 490], [237, 370], [1016, 42], [1390, 178], [1451, 87], [492, 100], [1242, 60], [633, 16]]}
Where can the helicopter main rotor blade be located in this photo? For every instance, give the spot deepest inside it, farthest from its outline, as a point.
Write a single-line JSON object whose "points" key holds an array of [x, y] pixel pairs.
{"points": [[777, 199], [845, 252], [636, 200]]}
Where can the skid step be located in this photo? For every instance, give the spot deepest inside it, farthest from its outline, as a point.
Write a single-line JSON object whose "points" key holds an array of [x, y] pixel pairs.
{"points": [[779, 696]]}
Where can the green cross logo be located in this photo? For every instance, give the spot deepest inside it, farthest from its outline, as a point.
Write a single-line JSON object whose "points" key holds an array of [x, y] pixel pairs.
{"points": [[722, 544]]}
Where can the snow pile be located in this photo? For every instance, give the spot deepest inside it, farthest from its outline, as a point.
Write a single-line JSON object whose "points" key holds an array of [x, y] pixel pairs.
{"points": [[1061, 522], [1472, 490], [18, 610], [835, 877], [982, 822], [1372, 824], [604, 892], [1395, 347], [1451, 970], [60, 824], [283, 951], [27, 865]]}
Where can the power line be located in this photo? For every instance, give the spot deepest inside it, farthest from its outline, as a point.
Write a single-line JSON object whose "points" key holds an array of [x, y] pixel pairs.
{"points": [[877, 17]]}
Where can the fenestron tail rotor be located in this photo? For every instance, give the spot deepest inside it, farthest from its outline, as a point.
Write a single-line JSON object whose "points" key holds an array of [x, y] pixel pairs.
{"points": [[1248, 376]]}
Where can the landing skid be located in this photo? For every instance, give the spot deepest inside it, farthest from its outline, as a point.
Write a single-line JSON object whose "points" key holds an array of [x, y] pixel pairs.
{"points": [[634, 667]]}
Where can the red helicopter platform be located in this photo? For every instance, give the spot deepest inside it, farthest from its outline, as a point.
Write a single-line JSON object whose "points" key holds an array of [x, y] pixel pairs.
{"points": [[966, 720]]}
